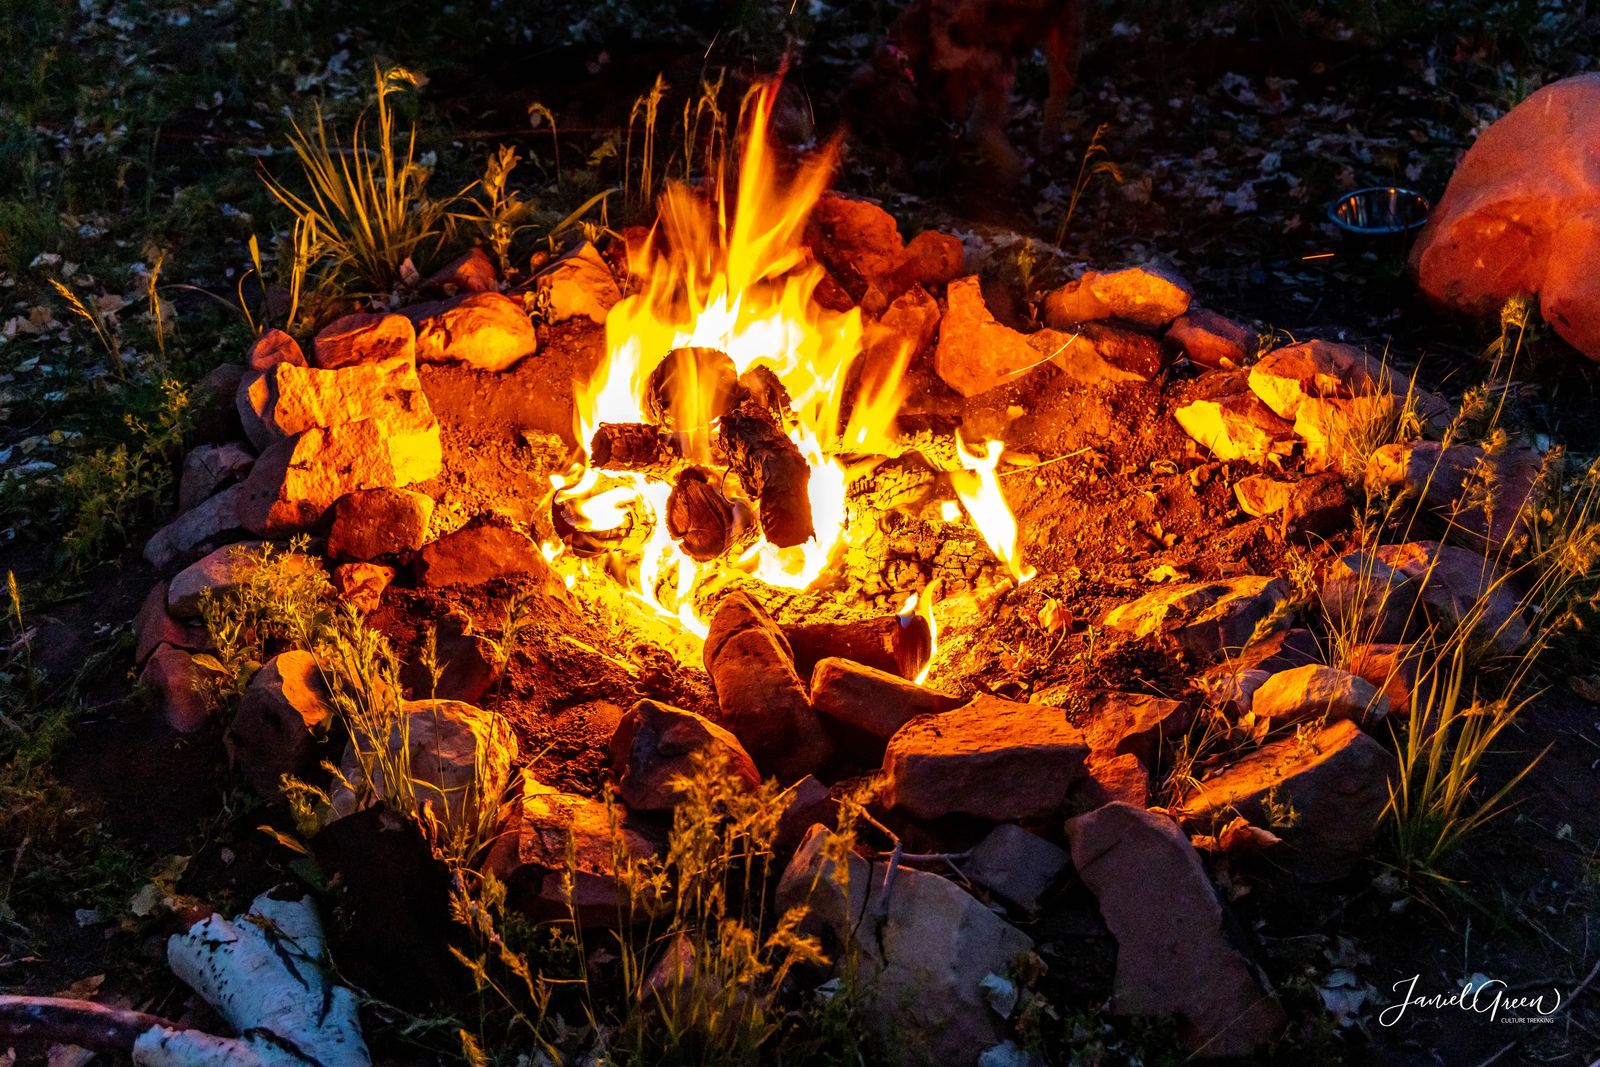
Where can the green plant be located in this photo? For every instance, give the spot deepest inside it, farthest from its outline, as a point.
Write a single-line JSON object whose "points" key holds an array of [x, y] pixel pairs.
{"points": [[279, 599], [499, 209], [644, 112], [1096, 161], [368, 209]]}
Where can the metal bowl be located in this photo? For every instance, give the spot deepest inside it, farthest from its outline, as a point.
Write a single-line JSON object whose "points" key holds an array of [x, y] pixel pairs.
{"points": [[1379, 210]]}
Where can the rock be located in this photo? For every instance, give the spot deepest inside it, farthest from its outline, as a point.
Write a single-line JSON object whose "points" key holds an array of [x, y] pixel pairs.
{"points": [[207, 469], [1065, 307], [1490, 495], [487, 547], [364, 337], [1520, 215], [1336, 432], [805, 804], [471, 272], [458, 757], [1112, 780], [578, 284], [976, 352], [362, 584], [1212, 340], [212, 522], [1207, 618], [211, 404], [1151, 294], [378, 522], [906, 327], [1233, 689], [1318, 507], [287, 399], [1174, 952], [272, 348], [1130, 354], [921, 969], [469, 663], [1233, 424], [550, 837], [1259, 495], [222, 570], [1334, 780], [858, 242], [1018, 865], [656, 743], [1315, 691], [485, 331], [762, 699], [282, 713], [295, 483], [870, 703], [1231, 684], [932, 259], [1322, 370], [993, 759], [1136, 724], [154, 626], [183, 689], [1396, 590], [1391, 669]]}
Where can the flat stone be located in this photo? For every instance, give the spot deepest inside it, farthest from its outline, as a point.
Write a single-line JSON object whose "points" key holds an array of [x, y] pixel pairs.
{"points": [[364, 337], [282, 713], [1234, 425], [1316, 691], [1111, 780], [1456, 481], [214, 521], [221, 571], [657, 744], [1286, 377], [1138, 724], [1335, 781], [1016, 864], [1174, 954], [287, 399], [870, 703], [991, 758], [378, 522], [485, 331], [488, 547], [208, 469], [1064, 307], [1207, 618]]}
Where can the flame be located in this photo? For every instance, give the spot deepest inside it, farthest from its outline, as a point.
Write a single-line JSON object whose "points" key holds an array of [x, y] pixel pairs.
{"points": [[978, 487], [920, 605]]}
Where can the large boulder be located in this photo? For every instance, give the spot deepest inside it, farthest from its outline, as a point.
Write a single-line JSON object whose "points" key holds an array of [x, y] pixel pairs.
{"points": [[924, 948], [1175, 953], [282, 713], [485, 331], [1522, 215], [287, 399], [1207, 618], [656, 744], [1321, 791], [991, 758]]}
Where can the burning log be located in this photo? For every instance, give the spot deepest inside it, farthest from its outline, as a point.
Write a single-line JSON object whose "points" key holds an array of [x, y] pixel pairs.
{"points": [[630, 446], [896, 644], [763, 702], [703, 521], [773, 471], [691, 388], [760, 385]]}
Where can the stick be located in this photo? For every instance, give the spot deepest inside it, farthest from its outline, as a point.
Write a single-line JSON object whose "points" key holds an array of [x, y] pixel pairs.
{"points": [[68, 1021], [773, 471]]}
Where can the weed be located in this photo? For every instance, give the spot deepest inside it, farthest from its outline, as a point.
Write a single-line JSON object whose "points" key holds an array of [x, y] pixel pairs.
{"points": [[1095, 162], [500, 211], [279, 599]]}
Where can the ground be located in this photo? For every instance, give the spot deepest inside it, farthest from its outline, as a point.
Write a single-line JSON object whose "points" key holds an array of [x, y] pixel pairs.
{"points": [[130, 142]]}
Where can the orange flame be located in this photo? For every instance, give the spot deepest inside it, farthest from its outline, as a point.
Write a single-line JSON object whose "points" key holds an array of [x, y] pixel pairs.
{"points": [[978, 487]]}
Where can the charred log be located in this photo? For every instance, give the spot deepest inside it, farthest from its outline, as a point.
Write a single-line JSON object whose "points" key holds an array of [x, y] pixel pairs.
{"points": [[773, 471], [892, 643], [691, 388], [761, 386], [630, 446], [703, 521]]}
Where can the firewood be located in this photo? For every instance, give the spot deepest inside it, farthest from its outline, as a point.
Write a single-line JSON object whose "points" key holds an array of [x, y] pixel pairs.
{"points": [[703, 521], [761, 385], [773, 471], [893, 643], [630, 446], [691, 388]]}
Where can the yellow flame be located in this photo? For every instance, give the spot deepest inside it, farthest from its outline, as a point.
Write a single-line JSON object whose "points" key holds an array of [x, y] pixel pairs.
{"points": [[978, 487], [920, 605]]}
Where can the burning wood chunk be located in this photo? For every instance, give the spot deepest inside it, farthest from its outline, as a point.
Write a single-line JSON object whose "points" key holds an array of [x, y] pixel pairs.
{"points": [[773, 471], [896, 644], [691, 388], [630, 446], [703, 521], [761, 386], [762, 699]]}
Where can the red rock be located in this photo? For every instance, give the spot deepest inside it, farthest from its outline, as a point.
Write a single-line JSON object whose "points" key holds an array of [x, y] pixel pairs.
{"points": [[1335, 781], [283, 711], [1521, 214], [364, 337], [991, 758], [1207, 618], [857, 241], [1018, 865], [1259, 495], [1316, 691], [1151, 294], [378, 522], [1285, 377], [207, 469], [870, 703], [1136, 724], [485, 331], [1212, 340], [1127, 351], [469, 663], [287, 400], [362, 584], [154, 626], [1389, 667], [656, 744], [221, 571], [1318, 507], [1065, 307], [185, 691], [272, 348], [762, 699], [1174, 955], [807, 803], [579, 284], [905, 328], [486, 548], [471, 272], [1231, 422], [1334, 430], [1112, 780], [933, 259], [1456, 481]]}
